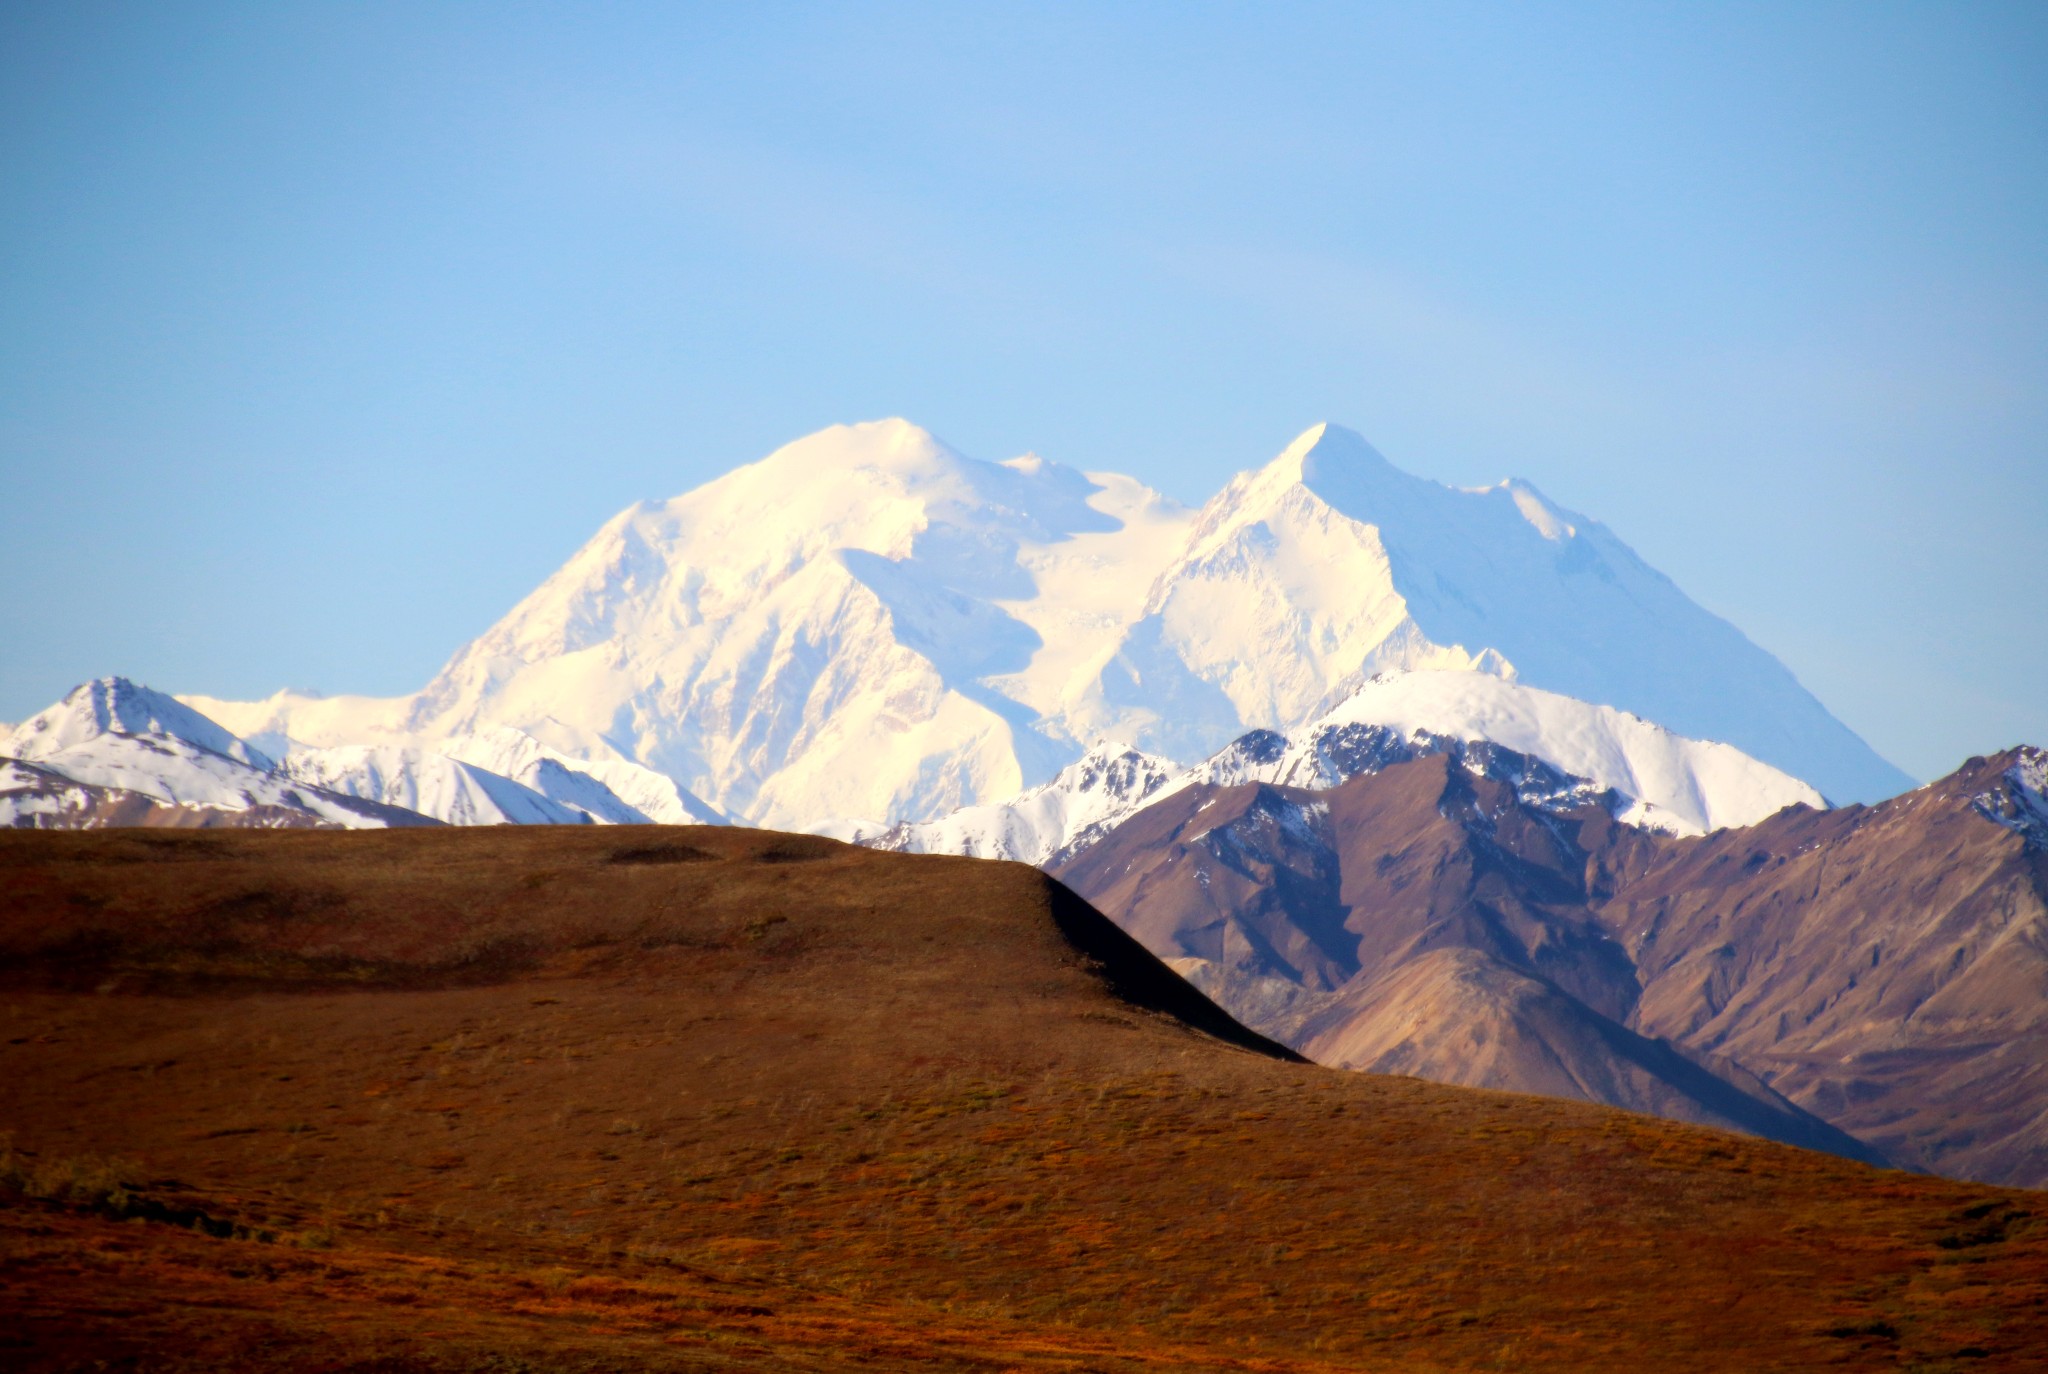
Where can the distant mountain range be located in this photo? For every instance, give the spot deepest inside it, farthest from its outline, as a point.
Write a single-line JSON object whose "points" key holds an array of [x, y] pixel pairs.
{"points": [[115, 753], [1412, 778]]}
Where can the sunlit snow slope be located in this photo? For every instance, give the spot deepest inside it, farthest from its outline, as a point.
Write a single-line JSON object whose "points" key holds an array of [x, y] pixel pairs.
{"points": [[111, 736], [869, 626]]}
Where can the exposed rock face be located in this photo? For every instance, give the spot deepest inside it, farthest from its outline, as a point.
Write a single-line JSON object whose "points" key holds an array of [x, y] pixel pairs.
{"points": [[1883, 969]]}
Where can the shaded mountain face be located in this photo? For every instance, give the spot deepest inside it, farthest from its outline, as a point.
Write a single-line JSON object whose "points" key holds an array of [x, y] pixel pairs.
{"points": [[673, 1099], [1883, 970], [867, 627]]}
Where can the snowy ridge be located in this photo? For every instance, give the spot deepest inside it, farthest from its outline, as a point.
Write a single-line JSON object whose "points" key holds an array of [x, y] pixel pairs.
{"points": [[111, 736], [429, 783], [867, 623], [36, 798], [1082, 803], [1670, 783], [609, 791], [1558, 754]]}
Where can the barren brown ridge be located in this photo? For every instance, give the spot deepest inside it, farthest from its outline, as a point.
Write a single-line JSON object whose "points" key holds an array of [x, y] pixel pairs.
{"points": [[1869, 980]]}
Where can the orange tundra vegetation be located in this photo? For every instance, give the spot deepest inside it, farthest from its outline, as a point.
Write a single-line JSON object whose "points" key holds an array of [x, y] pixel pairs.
{"points": [[651, 1098]]}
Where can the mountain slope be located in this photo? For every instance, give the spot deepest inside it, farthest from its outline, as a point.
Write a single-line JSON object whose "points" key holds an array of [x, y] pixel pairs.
{"points": [[866, 628], [1883, 969], [1454, 951], [1330, 565], [435, 785], [34, 798], [688, 1099], [610, 791], [1455, 1015]]}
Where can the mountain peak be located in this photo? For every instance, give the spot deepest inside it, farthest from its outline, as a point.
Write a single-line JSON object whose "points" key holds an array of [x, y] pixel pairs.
{"points": [[1334, 465], [117, 706], [2017, 797], [893, 445], [1326, 450]]}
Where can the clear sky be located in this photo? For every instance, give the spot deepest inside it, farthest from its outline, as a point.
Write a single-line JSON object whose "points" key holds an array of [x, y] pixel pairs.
{"points": [[328, 330]]}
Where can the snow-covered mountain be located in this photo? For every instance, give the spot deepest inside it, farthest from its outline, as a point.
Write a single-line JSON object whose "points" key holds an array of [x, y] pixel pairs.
{"points": [[1664, 780], [433, 785], [867, 624], [1645, 774], [111, 739], [609, 791], [115, 706], [864, 623], [112, 745], [1329, 565]]}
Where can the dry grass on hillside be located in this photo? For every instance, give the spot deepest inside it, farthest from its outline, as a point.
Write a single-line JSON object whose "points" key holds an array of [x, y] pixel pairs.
{"points": [[597, 1099]]}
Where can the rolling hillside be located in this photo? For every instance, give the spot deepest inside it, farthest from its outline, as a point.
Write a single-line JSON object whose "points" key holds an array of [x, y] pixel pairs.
{"points": [[480, 1099]]}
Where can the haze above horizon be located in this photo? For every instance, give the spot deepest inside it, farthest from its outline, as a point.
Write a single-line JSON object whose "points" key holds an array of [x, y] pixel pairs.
{"points": [[330, 332]]}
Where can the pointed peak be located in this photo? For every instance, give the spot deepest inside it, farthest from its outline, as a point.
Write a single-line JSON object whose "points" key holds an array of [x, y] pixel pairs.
{"points": [[1326, 451], [119, 706]]}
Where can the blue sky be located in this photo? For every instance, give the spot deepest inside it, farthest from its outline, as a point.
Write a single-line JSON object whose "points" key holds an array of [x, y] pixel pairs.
{"points": [[326, 331]]}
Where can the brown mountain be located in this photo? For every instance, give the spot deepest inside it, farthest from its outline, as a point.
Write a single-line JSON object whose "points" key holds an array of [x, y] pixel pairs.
{"points": [[596, 1098], [1880, 969]]}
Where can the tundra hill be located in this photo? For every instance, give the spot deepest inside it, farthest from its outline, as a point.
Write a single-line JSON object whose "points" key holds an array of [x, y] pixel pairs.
{"points": [[569, 1098], [1884, 968]]}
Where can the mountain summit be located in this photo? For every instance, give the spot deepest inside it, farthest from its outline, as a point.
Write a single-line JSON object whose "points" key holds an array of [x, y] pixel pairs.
{"points": [[867, 625], [1329, 564]]}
